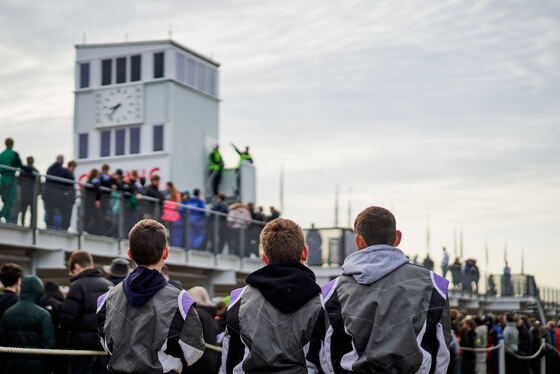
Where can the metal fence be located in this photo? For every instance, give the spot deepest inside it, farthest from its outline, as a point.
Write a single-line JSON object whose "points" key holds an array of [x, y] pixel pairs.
{"points": [[49, 202]]}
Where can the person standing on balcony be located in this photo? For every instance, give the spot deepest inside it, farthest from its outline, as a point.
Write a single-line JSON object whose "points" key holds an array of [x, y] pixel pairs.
{"points": [[444, 263], [244, 156], [215, 167], [8, 182], [27, 184], [58, 195], [196, 219]]}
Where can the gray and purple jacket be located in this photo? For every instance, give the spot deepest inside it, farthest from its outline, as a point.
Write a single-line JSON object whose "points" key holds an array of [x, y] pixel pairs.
{"points": [[385, 315], [148, 326], [275, 324]]}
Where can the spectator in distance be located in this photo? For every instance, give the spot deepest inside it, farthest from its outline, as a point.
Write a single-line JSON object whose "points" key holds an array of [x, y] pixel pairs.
{"points": [[10, 275], [27, 185], [117, 271], [8, 182], [276, 323], [78, 313], [238, 219], [26, 324], [385, 314], [144, 316]]}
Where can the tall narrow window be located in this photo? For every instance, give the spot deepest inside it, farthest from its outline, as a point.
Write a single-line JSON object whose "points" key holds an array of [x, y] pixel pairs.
{"points": [[119, 142], [212, 82], [180, 67], [201, 77], [158, 65], [121, 69], [105, 143], [134, 140], [158, 138], [106, 66], [191, 72], [135, 68], [83, 146], [84, 75]]}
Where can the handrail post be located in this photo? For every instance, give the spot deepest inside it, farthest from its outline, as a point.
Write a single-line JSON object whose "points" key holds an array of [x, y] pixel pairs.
{"points": [[502, 358], [187, 226], [34, 203], [217, 237]]}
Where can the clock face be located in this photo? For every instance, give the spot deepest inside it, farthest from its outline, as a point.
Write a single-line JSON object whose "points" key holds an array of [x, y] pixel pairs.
{"points": [[119, 106]]}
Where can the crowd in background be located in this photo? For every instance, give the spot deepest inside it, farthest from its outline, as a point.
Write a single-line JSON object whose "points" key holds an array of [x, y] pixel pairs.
{"points": [[521, 335], [114, 201]]}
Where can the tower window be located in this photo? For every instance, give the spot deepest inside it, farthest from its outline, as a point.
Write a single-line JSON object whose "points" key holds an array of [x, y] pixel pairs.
{"points": [[158, 65], [119, 142], [84, 75], [135, 68], [134, 140], [106, 66], [83, 145], [158, 138], [105, 143], [121, 69]]}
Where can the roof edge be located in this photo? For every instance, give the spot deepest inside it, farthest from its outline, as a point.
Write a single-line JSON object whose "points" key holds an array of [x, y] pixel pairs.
{"points": [[145, 42]]}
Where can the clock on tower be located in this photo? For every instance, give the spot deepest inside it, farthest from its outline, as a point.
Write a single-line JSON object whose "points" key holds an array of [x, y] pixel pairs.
{"points": [[119, 106]]}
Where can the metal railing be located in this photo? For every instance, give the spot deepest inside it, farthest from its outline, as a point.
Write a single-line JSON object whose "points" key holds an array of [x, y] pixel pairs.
{"points": [[49, 202]]}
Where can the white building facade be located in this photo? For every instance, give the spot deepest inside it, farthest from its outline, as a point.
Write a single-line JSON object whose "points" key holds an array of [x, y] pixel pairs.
{"points": [[151, 106]]}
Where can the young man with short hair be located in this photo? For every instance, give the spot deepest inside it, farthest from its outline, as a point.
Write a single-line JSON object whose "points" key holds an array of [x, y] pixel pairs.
{"points": [[77, 314], [276, 323], [145, 324], [10, 276], [385, 315]]}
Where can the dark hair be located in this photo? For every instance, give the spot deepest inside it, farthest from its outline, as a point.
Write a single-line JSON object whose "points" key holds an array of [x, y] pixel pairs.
{"points": [[154, 177], [105, 167], [510, 317], [376, 225], [196, 192], [72, 164], [147, 241], [282, 241], [92, 175], [82, 258], [9, 142], [30, 160], [53, 290], [10, 273], [221, 196]]}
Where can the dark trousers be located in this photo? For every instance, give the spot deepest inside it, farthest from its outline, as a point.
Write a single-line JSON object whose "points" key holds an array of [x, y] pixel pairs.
{"points": [[87, 365], [26, 201], [217, 177]]}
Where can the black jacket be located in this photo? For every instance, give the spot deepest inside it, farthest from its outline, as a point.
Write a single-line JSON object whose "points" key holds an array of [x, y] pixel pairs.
{"points": [[209, 363], [60, 171], [153, 191], [7, 299], [78, 312]]}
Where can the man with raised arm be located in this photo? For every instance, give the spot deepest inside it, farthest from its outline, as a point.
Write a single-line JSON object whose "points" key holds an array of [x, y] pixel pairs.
{"points": [[385, 315]]}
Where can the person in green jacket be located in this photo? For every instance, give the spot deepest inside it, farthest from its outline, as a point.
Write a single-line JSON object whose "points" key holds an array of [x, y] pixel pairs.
{"points": [[26, 324], [8, 182], [215, 167], [244, 156]]}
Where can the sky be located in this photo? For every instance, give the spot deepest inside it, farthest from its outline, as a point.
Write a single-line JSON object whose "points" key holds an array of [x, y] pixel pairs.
{"points": [[444, 112]]}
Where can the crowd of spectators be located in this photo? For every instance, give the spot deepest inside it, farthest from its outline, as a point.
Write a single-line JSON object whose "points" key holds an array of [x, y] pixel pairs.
{"points": [[112, 201], [521, 335]]}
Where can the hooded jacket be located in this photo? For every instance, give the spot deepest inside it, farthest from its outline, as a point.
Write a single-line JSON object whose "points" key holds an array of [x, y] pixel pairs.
{"points": [[275, 324], [77, 314], [385, 315], [26, 324], [147, 325]]}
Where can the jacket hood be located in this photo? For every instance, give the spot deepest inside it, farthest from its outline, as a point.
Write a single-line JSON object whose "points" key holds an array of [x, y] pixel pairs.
{"points": [[140, 285], [31, 289], [287, 285], [373, 263]]}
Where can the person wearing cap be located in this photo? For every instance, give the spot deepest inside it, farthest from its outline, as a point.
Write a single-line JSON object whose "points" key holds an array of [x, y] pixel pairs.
{"points": [[117, 271]]}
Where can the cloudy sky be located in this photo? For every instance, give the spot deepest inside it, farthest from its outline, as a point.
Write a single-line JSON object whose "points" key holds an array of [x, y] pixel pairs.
{"points": [[443, 111]]}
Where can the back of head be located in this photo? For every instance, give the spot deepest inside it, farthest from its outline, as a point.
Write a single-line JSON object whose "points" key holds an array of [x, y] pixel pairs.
{"points": [[510, 317], [31, 288], [200, 295], [10, 273], [282, 241], [376, 225], [60, 159], [82, 258], [196, 192], [52, 289], [30, 160], [147, 241], [9, 142]]}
